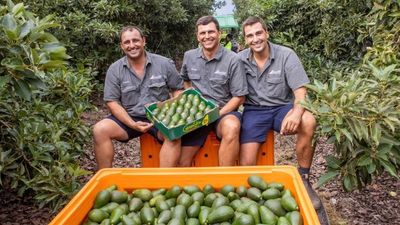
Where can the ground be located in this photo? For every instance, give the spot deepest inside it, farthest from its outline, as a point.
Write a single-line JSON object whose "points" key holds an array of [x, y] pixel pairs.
{"points": [[378, 203]]}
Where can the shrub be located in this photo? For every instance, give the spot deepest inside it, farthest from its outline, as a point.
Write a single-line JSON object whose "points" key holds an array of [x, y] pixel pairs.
{"points": [[41, 102]]}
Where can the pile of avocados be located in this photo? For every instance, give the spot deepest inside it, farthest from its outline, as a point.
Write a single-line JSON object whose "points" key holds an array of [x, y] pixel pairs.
{"points": [[184, 110], [257, 203]]}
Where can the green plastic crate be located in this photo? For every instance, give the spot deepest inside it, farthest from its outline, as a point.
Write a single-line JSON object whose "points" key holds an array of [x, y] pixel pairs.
{"points": [[178, 131]]}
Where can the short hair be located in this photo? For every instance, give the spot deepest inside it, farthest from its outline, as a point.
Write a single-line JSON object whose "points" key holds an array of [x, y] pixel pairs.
{"points": [[253, 20], [204, 20], [130, 28]]}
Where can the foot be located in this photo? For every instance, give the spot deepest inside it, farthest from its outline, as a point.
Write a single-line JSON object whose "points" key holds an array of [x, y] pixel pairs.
{"points": [[316, 201]]}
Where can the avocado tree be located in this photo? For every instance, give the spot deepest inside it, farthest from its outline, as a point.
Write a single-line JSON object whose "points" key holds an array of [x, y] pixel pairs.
{"points": [[41, 102]]}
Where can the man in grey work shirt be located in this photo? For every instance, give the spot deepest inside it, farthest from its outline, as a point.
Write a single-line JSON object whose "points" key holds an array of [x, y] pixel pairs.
{"points": [[218, 74], [131, 82], [276, 80]]}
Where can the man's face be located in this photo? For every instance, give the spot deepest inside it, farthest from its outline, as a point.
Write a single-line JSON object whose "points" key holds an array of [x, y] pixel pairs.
{"points": [[256, 37], [132, 43], [208, 36]]}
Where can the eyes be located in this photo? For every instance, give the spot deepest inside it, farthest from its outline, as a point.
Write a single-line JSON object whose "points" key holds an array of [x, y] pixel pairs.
{"points": [[257, 33], [133, 41], [209, 32]]}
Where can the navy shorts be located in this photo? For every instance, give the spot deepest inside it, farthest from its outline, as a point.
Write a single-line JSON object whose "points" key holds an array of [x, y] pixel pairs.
{"points": [[198, 137], [258, 120], [132, 133]]}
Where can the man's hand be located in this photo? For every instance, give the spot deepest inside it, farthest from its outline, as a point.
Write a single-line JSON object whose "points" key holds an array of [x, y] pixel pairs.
{"points": [[142, 126], [290, 123]]}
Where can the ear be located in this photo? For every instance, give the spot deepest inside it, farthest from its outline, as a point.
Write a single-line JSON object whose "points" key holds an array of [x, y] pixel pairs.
{"points": [[144, 40]]}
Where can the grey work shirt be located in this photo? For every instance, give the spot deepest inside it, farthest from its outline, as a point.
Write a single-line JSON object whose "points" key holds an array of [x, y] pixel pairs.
{"points": [[218, 79], [274, 86], [124, 86]]}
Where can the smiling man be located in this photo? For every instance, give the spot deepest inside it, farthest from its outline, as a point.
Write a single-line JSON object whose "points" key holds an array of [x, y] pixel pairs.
{"points": [[136, 79], [219, 76], [276, 80]]}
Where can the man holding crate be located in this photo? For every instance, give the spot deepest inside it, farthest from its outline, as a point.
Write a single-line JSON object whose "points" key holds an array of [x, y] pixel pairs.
{"points": [[131, 82], [219, 76]]}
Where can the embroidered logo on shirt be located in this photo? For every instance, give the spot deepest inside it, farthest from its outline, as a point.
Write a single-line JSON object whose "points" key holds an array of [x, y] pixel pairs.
{"points": [[275, 72], [153, 77], [193, 69], [220, 72]]}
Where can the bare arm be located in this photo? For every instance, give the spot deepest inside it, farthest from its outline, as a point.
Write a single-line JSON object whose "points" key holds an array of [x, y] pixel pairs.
{"points": [[292, 120], [122, 115], [187, 84], [232, 104]]}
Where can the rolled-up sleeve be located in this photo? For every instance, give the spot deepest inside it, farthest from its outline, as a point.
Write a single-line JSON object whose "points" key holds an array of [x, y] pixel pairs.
{"points": [[112, 86], [238, 82], [174, 80], [184, 70]]}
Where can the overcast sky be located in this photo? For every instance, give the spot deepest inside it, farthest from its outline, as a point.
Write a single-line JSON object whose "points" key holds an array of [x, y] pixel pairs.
{"points": [[227, 9]]}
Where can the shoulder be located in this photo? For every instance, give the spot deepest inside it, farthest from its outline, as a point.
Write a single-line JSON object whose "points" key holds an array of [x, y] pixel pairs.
{"points": [[160, 60], [244, 54], [282, 50], [191, 52], [117, 64], [157, 57]]}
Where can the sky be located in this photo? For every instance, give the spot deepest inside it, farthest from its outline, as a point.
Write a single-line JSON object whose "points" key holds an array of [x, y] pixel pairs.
{"points": [[227, 9]]}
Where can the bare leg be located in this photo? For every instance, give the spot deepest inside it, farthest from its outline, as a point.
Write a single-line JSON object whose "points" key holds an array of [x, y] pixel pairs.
{"points": [[248, 153], [187, 155], [228, 129], [305, 132], [103, 133], [170, 153]]}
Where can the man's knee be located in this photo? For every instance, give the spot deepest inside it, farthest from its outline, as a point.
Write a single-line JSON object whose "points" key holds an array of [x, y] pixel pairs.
{"points": [[308, 124], [230, 128]]}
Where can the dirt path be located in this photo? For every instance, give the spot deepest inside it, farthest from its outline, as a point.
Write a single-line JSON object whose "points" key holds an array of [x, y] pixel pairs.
{"points": [[378, 204]]}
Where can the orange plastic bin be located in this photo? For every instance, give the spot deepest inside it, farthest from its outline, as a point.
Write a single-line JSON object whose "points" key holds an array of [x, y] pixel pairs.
{"points": [[208, 154], [153, 178]]}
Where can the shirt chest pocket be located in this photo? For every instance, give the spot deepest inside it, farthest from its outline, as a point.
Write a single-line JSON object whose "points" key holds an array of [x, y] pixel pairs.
{"points": [[219, 80], [274, 85], [158, 89], [129, 94], [194, 75]]}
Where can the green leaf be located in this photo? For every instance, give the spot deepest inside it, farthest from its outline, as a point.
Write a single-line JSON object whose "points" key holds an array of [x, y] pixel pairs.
{"points": [[18, 8], [26, 28], [364, 160], [4, 80], [389, 140], [371, 168], [327, 177], [389, 167], [333, 162], [348, 183], [9, 22], [347, 134], [376, 133], [22, 89]]}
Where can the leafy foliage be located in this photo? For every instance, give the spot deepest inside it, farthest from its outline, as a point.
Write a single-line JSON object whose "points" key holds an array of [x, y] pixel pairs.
{"points": [[41, 102], [90, 29], [351, 51]]}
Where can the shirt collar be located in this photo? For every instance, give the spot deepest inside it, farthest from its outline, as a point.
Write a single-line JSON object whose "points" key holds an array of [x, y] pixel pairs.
{"points": [[148, 59], [217, 56], [271, 52]]}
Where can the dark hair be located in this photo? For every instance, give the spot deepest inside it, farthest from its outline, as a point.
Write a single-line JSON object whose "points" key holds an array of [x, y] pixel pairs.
{"points": [[130, 28], [204, 20], [253, 20], [230, 36]]}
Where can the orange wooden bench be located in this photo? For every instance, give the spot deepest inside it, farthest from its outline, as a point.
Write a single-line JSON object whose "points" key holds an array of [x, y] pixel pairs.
{"points": [[207, 155]]}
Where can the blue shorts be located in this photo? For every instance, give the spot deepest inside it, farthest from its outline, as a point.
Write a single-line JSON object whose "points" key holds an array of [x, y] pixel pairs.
{"points": [[198, 137], [258, 120], [132, 133]]}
